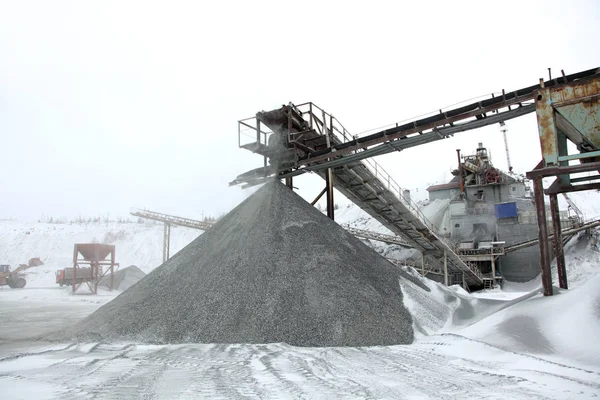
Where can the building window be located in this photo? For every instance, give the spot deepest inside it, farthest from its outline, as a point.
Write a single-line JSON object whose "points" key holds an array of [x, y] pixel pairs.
{"points": [[514, 188], [457, 225]]}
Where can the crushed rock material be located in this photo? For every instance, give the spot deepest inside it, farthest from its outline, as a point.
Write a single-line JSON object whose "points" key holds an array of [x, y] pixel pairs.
{"points": [[124, 278], [273, 270]]}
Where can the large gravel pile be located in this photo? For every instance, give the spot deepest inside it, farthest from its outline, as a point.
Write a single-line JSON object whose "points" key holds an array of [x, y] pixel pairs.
{"points": [[273, 270]]}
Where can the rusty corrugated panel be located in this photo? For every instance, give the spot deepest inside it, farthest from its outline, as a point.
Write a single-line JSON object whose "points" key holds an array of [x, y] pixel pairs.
{"points": [[573, 109]]}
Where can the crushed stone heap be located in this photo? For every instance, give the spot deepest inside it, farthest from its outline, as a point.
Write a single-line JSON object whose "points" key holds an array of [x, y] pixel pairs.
{"points": [[272, 270], [124, 278]]}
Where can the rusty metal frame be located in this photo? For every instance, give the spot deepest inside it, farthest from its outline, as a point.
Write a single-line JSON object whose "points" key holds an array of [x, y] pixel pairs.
{"points": [[555, 128], [583, 101], [95, 262]]}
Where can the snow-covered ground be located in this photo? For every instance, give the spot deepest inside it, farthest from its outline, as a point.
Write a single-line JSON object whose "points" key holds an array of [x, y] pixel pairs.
{"points": [[503, 343], [135, 244]]}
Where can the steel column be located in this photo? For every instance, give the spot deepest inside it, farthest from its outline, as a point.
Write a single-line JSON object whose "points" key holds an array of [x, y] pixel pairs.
{"points": [[493, 269], [166, 241], [95, 277], [75, 266], [288, 182], [445, 269], [258, 131], [558, 243], [113, 257], [329, 186], [538, 191]]}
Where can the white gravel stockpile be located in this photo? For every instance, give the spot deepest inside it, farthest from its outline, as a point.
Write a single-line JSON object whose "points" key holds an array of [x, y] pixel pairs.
{"points": [[273, 270]]}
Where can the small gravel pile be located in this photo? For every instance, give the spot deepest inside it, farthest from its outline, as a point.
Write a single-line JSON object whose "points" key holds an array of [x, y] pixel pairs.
{"points": [[124, 278], [272, 270]]}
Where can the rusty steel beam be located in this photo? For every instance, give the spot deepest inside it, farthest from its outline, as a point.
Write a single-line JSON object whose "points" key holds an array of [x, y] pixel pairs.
{"points": [[538, 191], [476, 110], [558, 243], [329, 187], [559, 187], [318, 196], [554, 108], [558, 170]]}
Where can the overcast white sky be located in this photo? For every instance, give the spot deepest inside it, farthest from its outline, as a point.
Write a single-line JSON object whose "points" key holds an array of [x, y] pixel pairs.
{"points": [[110, 104]]}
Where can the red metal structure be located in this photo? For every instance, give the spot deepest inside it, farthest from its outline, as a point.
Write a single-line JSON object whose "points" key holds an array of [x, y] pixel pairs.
{"points": [[93, 256]]}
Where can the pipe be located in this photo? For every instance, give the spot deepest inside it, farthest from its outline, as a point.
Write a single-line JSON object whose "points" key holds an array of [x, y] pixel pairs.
{"points": [[460, 172]]}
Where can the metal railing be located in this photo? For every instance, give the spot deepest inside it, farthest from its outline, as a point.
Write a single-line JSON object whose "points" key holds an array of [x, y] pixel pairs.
{"points": [[326, 124]]}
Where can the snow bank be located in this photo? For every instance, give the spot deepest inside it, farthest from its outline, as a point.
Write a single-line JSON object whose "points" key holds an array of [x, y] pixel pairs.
{"points": [[564, 326], [436, 308], [582, 259]]}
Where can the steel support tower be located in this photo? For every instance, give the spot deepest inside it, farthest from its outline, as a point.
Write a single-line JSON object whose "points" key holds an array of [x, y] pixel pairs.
{"points": [[569, 112]]}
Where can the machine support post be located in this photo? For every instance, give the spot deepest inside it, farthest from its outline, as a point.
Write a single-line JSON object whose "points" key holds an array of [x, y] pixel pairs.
{"points": [[75, 252], [112, 269], [95, 277], [493, 269], [445, 268], [329, 187], [288, 182], [558, 243], [166, 241], [258, 131], [538, 191]]}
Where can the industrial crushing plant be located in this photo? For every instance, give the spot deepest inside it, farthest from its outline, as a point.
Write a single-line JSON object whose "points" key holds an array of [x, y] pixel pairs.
{"points": [[300, 138]]}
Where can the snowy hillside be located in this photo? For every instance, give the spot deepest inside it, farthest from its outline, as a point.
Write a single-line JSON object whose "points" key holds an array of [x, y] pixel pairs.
{"points": [[136, 244]]}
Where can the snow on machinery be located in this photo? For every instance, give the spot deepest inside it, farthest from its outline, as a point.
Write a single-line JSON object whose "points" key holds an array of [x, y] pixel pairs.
{"points": [[15, 279]]}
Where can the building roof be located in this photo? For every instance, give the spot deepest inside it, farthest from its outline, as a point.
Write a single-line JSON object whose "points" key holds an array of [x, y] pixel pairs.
{"points": [[443, 186], [454, 183]]}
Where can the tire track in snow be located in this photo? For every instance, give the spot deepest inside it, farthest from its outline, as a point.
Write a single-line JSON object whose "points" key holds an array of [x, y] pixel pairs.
{"points": [[278, 370]]}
